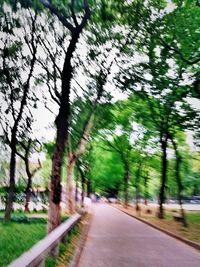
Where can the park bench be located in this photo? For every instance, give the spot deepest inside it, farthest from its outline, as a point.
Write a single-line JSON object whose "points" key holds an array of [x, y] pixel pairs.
{"points": [[178, 217]]}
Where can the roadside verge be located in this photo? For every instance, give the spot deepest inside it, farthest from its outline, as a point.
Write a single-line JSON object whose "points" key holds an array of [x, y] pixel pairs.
{"points": [[184, 240], [78, 251]]}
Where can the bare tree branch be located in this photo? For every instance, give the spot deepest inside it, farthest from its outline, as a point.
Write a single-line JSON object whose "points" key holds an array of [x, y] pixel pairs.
{"points": [[73, 14], [56, 12]]}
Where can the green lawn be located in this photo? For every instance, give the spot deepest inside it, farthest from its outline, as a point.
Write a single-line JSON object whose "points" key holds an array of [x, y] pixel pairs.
{"points": [[17, 237], [20, 234]]}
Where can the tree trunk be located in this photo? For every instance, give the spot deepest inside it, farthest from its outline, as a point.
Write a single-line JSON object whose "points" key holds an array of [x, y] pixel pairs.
{"points": [[29, 184], [137, 207], [11, 191], [125, 191], [82, 190], [163, 177], [55, 186], [70, 185], [27, 199], [73, 157], [146, 178], [62, 124], [89, 187], [82, 185], [179, 183], [126, 180], [76, 192]]}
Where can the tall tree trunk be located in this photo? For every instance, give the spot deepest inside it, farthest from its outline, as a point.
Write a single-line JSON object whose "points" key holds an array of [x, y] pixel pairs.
{"points": [[28, 193], [62, 120], [70, 185], [25, 157], [179, 182], [11, 191], [138, 187], [76, 192], [27, 199], [126, 181], [146, 194], [163, 177], [73, 157], [62, 124], [82, 189], [29, 185], [137, 198], [55, 186], [82, 184], [89, 187]]}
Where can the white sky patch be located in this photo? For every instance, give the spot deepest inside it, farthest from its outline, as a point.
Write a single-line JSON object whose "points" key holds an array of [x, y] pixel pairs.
{"points": [[119, 130], [148, 76], [170, 7], [194, 102], [157, 51], [171, 73], [190, 140], [170, 62]]}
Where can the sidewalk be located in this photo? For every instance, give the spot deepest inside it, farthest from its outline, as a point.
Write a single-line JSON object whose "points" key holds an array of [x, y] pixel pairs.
{"points": [[117, 240]]}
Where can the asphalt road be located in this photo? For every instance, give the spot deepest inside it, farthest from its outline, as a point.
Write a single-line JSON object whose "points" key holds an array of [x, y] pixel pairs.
{"points": [[118, 240]]}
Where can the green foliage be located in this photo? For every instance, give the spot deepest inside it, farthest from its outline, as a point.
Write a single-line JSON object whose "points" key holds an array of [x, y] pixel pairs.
{"points": [[17, 237], [106, 171]]}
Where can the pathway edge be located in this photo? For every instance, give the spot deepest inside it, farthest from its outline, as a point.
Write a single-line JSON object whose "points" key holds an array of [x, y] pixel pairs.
{"points": [[80, 246], [184, 240]]}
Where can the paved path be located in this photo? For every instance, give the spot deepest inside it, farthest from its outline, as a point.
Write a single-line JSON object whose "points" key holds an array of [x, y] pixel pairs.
{"points": [[118, 240]]}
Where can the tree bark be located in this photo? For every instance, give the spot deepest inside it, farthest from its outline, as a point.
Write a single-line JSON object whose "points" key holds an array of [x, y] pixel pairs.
{"points": [[55, 186], [25, 157], [146, 178], [76, 192], [82, 184], [27, 199], [163, 177], [73, 157], [28, 188], [62, 124], [29, 184], [11, 191], [70, 184], [126, 181], [179, 182], [137, 207], [89, 187]]}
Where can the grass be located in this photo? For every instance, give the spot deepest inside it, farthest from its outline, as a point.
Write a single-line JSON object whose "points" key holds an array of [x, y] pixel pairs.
{"points": [[192, 232], [68, 247], [20, 234], [17, 237]]}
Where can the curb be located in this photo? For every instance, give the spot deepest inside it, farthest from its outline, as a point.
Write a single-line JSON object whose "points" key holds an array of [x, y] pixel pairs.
{"points": [[184, 240], [80, 246]]}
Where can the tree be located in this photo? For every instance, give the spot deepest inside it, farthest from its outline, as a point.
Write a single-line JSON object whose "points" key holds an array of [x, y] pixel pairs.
{"points": [[120, 144], [15, 86], [105, 171], [75, 26], [26, 148], [178, 177], [165, 94]]}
